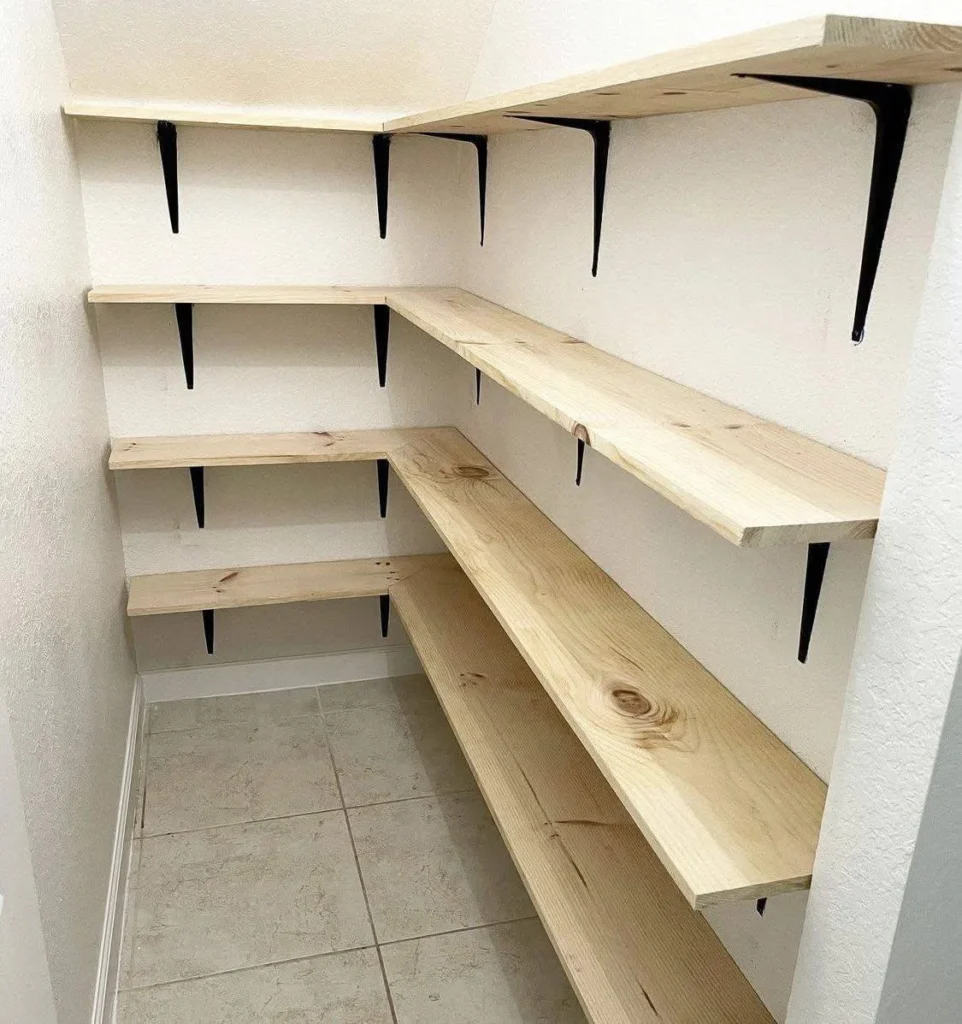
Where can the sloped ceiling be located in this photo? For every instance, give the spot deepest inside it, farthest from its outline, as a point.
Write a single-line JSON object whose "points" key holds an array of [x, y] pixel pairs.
{"points": [[342, 56]]}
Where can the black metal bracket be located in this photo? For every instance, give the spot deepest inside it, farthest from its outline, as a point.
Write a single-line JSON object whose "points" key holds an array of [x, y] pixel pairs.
{"points": [[480, 143], [600, 132], [385, 603], [184, 311], [167, 140], [892, 105], [382, 331], [197, 487], [581, 461], [208, 615], [477, 387], [382, 476], [814, 574], [382, 163], [760, 906]]}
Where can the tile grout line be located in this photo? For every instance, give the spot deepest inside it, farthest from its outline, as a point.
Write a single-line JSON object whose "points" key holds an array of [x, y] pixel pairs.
{"points": [[459, 931], [357, 863]]}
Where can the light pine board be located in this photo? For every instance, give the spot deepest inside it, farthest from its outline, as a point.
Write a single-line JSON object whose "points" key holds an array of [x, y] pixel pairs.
{"points": [[731, 812], [751, 481], [634, 951], [245, 587], [219, 117], [701, 77], [255, 449], [266, 294]]}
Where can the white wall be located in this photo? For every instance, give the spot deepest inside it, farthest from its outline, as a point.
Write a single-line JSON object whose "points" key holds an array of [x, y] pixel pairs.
{"points": [[65, 673], [263, 207]]}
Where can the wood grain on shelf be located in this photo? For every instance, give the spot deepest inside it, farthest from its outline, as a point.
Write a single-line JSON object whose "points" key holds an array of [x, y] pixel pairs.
{"points": [[249, 586], [635, 952], [701, 77], [751, 481], [730, 811], [220, 117], [255, 449], [265, 294]]}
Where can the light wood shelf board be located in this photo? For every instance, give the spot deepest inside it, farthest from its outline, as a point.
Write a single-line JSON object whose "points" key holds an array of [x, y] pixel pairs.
{"points": [[700, 77], [219, 117], [731, 812], [250, 586], [752, 481], [635, 952], [256, 449], [268, 294]]}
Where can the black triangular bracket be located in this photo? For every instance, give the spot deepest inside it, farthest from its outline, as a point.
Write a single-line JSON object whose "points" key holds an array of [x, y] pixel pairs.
{"points": [[581, 461], [385, 607], [477, 386], [480, 143], [814, 574], [382, 164], [892, 105], [600, 132], [197, 487], [208, 616], [167, 140], [382, 332], [382, 478], [184, 312]]}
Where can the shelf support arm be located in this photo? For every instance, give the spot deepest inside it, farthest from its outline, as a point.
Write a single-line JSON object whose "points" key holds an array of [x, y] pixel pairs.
{"points": [[480, 143], [477, 386], [382, 332], [382, 478], [892, 105], [382, 162], [197, 488], [814, 574], [184, 312], [600, 132], [385, 608], [581, 461], [208, 616], [167, 140]]}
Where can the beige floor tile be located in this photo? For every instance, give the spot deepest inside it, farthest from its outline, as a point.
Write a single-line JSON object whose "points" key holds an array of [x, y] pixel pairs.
{"points": [[244, 896], [435, 865], [370, 693], [273, 706], [222, 774], [343, 988], [393, 753], [506, 973]]}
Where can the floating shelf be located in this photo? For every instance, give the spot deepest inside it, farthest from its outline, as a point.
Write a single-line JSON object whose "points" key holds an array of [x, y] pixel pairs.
{"points": [[755, 483], [203, 589], [702, 77], [730, 811], [270, 294], [218, 117], [634, 951]]}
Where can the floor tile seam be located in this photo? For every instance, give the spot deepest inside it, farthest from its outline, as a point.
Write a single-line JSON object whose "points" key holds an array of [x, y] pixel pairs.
{"points": [[250, 722], [238, 824], [411, 799], [459, 931]]}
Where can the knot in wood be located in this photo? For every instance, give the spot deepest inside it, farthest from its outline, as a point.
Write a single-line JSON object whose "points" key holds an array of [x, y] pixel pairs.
{"points": [[471, 472], [631, 702], [581, 432]]}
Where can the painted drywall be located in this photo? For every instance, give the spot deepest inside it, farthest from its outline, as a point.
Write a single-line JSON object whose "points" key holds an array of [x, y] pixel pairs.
{"points": [[348, 56], [263, 207], [904, 669], [65, 670]]}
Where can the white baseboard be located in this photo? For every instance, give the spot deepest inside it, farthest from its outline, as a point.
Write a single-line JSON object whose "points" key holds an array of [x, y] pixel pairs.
{"points": [[280, 674], [114, 914]]}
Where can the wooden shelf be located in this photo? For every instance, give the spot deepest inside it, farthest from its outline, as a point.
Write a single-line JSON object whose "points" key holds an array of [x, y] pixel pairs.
{"points": [[751, 481], [635, 952], [174, 592], [268, 294], [701, 77], [220, 117], [255, 449], [730, 811]]}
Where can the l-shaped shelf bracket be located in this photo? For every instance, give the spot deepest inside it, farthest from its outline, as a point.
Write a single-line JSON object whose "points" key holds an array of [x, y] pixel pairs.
{"points": [[600, 132], [581, 461], [197, 488], [477, 386], [382, 478], [382, 162], [167, 140], [814, 574], [480, 143], [385, 608], [184, 312], [208, 616], [892, 105], [382, 331]]}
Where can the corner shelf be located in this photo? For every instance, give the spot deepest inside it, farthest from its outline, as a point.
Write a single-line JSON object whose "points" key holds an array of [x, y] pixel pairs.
{"points": [[634, 951], [268, 294], [730, 811]]}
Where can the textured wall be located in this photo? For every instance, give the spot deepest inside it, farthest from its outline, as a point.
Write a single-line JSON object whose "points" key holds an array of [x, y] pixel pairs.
{"points": [[64, 665]]}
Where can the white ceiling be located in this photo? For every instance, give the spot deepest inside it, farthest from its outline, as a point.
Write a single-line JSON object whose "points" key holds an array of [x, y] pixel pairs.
{"points": [[342, 56]]}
